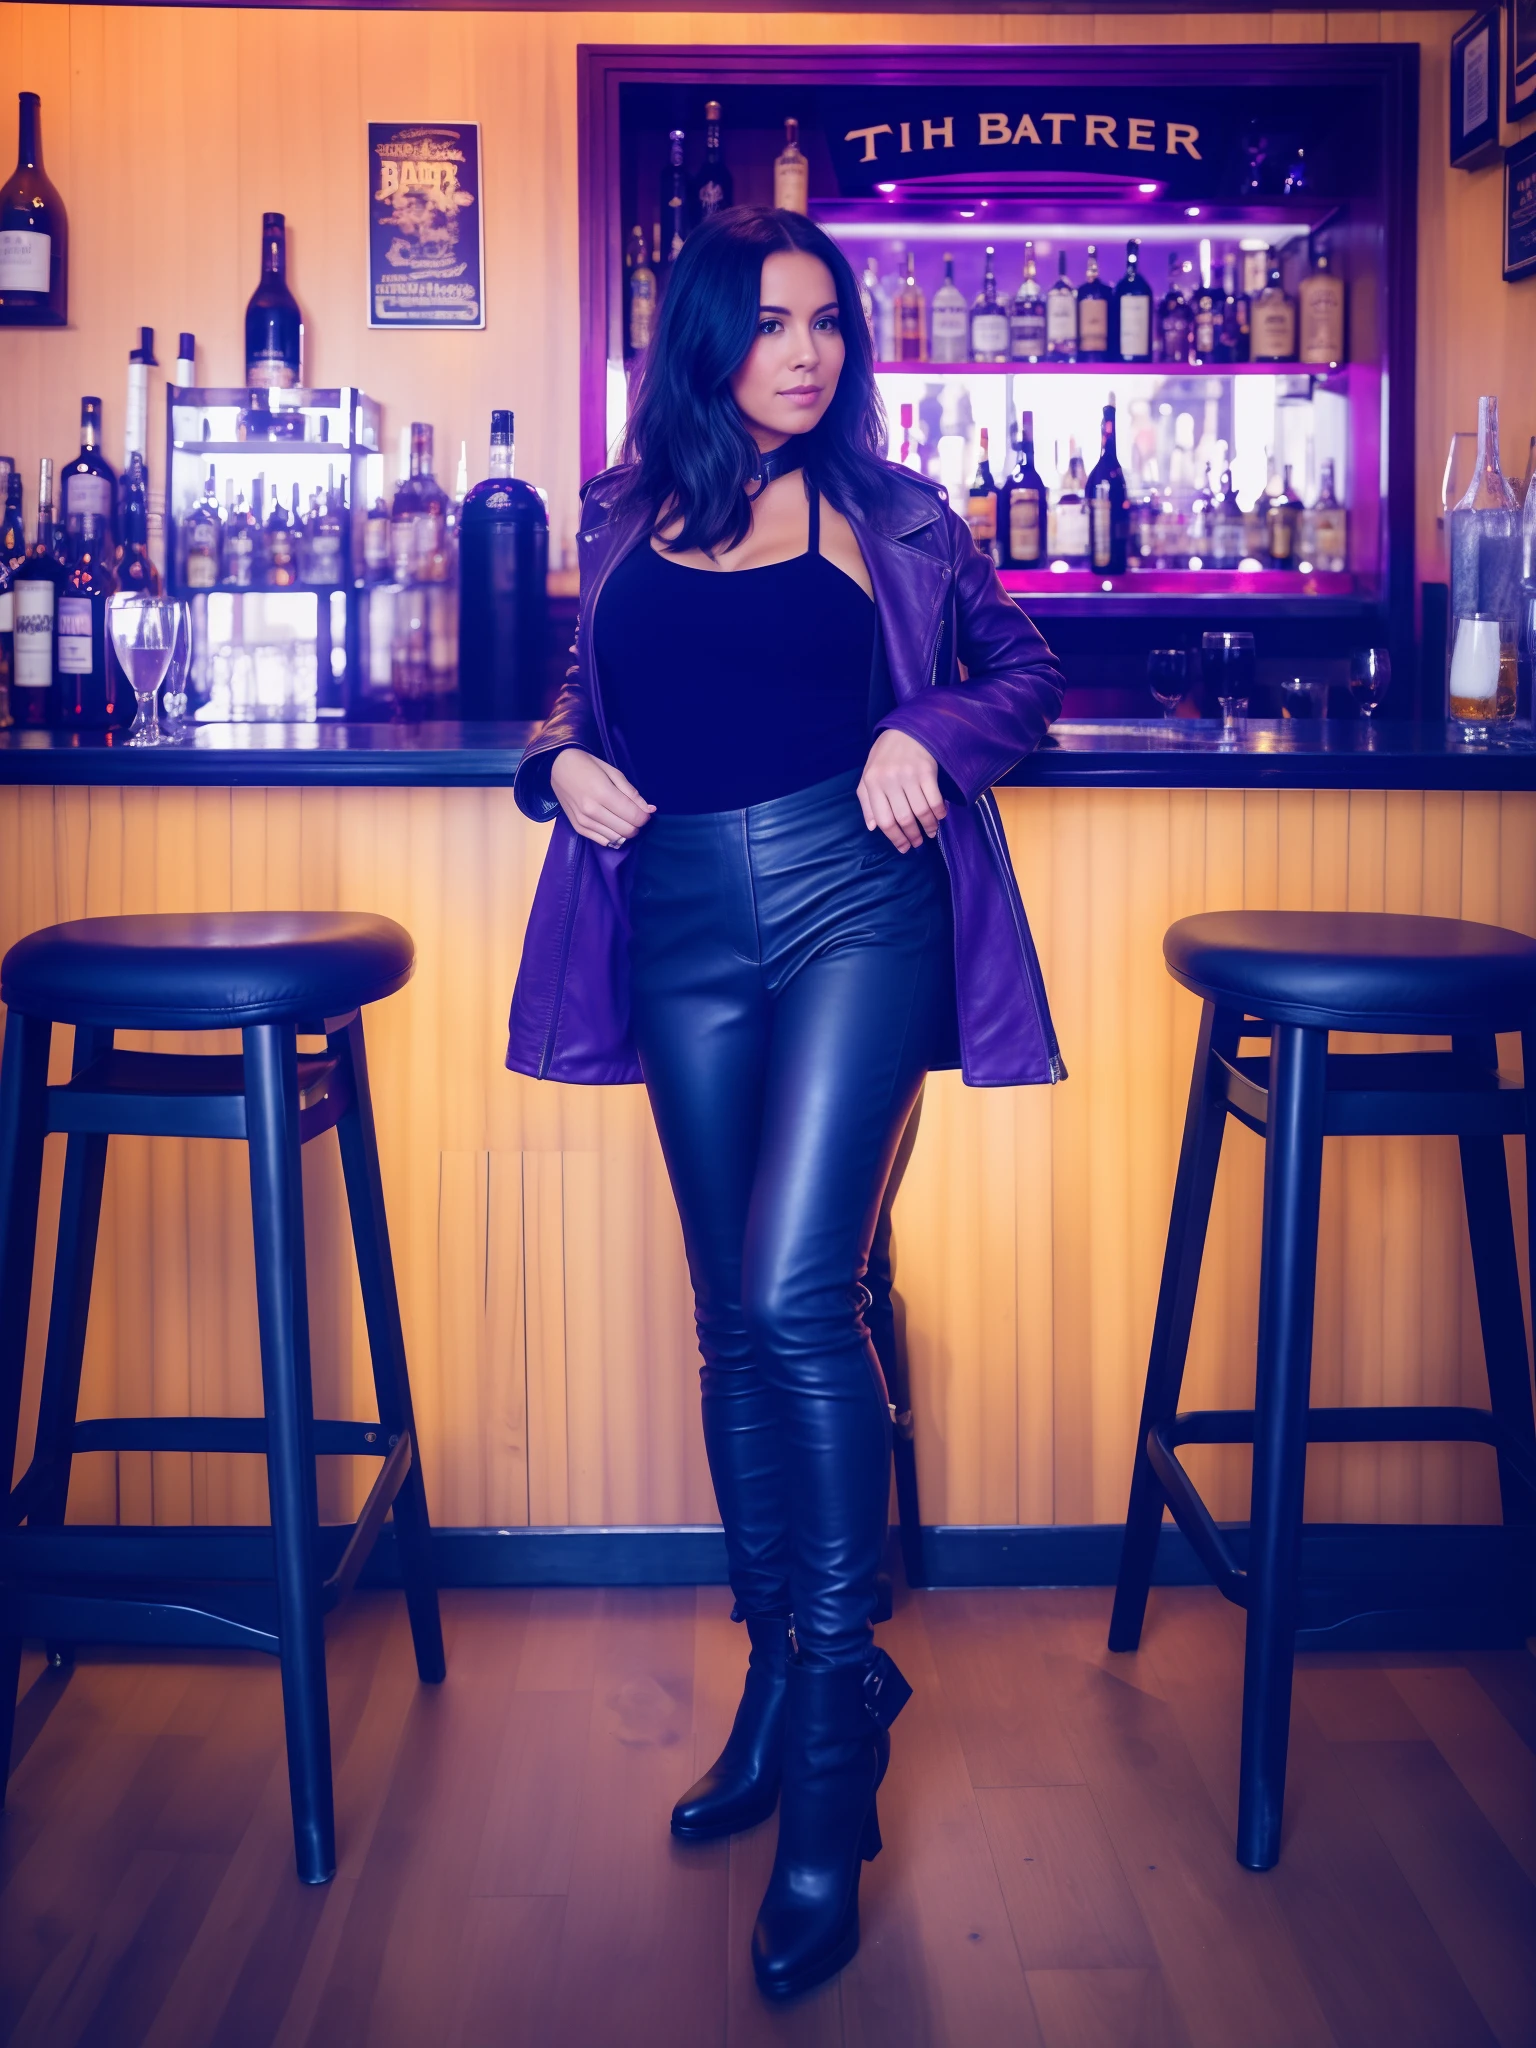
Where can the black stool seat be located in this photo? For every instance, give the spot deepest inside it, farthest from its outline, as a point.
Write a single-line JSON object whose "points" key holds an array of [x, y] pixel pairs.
{"points": [[1357, 971], [1291, 978], [206, 971]]}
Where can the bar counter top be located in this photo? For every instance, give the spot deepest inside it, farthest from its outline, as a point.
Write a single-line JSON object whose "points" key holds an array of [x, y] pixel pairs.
{"points": [[1182, 753]]}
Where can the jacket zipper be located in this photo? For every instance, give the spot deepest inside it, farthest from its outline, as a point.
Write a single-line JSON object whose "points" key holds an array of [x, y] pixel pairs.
{"points": [[568, 926]]}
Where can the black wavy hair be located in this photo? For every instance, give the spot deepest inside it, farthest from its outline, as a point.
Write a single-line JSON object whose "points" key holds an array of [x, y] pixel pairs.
{"points": [[687, 449]]}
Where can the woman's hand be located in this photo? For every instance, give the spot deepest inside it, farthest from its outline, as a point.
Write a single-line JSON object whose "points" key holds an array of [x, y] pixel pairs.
{"points": [[899, 790], [596, 798]]}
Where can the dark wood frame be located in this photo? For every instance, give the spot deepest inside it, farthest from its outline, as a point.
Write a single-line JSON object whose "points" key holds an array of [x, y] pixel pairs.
{"points": [[1388, 70], [1519, 100], [1471, 149]]}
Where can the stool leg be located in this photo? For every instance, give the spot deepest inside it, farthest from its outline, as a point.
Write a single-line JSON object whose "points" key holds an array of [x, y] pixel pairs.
{"points": [[1485, 1183], [1293, 1172], [23, 1124], [277, 1212], [1199, 1156], [386, 1344]]}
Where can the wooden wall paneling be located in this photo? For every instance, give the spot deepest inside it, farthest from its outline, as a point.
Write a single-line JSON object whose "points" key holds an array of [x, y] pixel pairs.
{"points": [[1032, 844]]}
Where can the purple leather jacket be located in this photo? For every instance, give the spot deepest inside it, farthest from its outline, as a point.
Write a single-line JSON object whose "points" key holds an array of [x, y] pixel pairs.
{"points": [[940, 605]]}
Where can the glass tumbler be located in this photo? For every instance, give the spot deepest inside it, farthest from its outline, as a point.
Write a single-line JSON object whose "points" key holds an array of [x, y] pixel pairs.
{"points": [[1226, 669]]}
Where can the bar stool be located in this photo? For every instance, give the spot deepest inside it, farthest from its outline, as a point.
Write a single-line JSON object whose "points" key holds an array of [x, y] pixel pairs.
{"points": [[272, 977], [1294, 976]]}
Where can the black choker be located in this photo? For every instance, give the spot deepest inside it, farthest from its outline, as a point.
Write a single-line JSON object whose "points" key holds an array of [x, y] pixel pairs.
{"points": [[781, 461]]}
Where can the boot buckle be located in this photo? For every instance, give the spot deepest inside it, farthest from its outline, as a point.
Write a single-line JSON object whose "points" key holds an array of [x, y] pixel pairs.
{"points": [[886, 1692]]}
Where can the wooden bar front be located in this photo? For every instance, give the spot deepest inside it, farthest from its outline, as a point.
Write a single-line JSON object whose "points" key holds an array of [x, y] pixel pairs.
{"points": [[541, 1273]]}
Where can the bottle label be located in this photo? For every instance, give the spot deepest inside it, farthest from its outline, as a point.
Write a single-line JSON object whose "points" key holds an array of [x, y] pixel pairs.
{"points": [[982, 514], [949, 334], [87, 496], [202, 567], [325, 558], [25, 260], [1331, 537], [1028, 333], [1103, 539], [7, 612], [32, 664], [1093, 326], [1136, 329], [1060, 319], [239, 554], [1071, 530], [791, 184], [1322, 320], [989, 336], [271, 373], [74, 636], [1274, 330], [1205, 331], [1024, 527]]}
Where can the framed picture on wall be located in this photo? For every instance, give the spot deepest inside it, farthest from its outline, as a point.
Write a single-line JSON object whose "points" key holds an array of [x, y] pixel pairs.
{"points": [[1520, 59], [1520, 210], [426, 235], [1475, 91]]}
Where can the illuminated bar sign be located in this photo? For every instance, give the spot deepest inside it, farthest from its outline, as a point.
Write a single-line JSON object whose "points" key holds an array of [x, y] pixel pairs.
{"points": [[1189, 144], [426, 243]]}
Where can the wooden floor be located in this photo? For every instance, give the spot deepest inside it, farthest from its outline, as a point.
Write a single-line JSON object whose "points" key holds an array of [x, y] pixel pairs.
{"points": [[1058, 1825]]}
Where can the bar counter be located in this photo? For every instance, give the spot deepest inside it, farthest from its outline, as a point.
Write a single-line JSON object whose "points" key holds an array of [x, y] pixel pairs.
{"points": [[1180, 753], [542, 1279]]}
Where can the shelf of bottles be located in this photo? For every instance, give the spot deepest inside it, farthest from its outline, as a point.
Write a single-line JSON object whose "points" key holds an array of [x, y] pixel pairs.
{"points": [[1192, 434], [261, 537]]}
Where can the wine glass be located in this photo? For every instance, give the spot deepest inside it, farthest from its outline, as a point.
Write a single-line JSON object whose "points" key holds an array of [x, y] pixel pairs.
{"points": [[174, 690], [1370, 678], [144, 632], [1168, 677], [1226, 668]]}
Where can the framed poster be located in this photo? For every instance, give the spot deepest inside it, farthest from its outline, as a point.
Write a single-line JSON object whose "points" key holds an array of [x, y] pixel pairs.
{"points": [[426, 238], [1520, 210], [1475, 91], [1520, 59]]}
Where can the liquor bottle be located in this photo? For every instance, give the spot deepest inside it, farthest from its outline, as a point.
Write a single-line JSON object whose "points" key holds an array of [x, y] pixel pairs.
{"points": [[430, 509], [1323, 535], [1173, 318], [1061, 317], [201, 535], [1234, 314], [1199, 529], [989, 318], [134, 567], [949, 323], [640, 281], [1094, 301], [240, 546], [7, 640], [676, 212], [1486, 540], [1026, 318], [1272, 320], [1023, 506], [274, 332], [713, 186], [792, 173], [184, 374], [981, 504], [1320, 312], [879, 315], [13, 539], [1281, 517], [1227, 530], [300, 532], [141, 361], [376, 543], [1131, 334], [503, 560], [279, 556], [911, 319], [35, 599], [326, 539], [1205, 314], [84, 680], [1108, 526], [88, 485], [1068, 534], [34, 235]]}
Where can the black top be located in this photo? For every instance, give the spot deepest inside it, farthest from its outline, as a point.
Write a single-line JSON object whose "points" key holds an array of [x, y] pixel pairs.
{"points": [[728, 689]]}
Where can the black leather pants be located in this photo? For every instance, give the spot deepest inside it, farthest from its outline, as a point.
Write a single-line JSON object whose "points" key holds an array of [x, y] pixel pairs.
{"points": [[792, 978]]}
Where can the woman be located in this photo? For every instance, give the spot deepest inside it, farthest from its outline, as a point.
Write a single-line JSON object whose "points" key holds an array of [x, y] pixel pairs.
{"points": [[779, 893]]}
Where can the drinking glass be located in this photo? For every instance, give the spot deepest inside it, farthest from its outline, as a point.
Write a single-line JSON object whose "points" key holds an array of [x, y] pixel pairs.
{"points": [[1168, 677], [1226, 669], [174, 690], [144, 631], [1302, 697], [1483, 676], [1370, 678]]}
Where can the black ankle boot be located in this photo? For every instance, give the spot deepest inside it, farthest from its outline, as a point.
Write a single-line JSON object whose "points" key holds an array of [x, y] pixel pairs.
{"points": [[741, 1787], [835, 1754]]}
